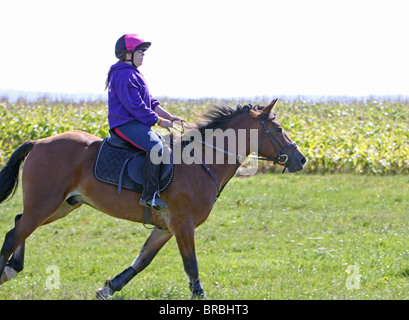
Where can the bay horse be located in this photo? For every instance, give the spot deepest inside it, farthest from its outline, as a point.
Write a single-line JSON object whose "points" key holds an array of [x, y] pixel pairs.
{"points": [[59, 169]]}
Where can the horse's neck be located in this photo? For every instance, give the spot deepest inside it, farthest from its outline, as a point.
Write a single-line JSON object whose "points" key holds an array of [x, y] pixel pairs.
{"points": [[234, 149], [207, 150]]}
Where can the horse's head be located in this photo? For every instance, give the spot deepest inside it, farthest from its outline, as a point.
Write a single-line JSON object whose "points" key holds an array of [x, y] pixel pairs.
{"points": [[275, 144]]}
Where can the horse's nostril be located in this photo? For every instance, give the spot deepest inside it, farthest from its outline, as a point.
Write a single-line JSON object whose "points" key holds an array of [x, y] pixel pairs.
{"points": [[303, 160]]}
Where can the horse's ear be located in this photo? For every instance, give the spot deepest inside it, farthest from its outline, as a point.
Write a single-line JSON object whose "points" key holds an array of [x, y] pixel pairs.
{"points": [[267, 109]]}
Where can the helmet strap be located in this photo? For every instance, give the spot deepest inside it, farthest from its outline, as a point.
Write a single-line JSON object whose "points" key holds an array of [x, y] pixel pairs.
{"points": [[132, 60]]}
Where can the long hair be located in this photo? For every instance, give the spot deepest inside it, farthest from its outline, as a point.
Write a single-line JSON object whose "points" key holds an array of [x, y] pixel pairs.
{"points": [[108, 79]]}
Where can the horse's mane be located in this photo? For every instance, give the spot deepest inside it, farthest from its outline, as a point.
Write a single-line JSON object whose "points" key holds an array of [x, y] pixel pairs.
{"points": [[218, 116]]}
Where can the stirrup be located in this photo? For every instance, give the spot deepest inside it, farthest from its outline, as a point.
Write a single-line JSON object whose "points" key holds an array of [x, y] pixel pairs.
{"points": [[155, 203]]}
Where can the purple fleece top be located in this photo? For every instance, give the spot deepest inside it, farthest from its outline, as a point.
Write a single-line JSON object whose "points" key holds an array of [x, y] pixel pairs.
{"points": [[128, 97]]}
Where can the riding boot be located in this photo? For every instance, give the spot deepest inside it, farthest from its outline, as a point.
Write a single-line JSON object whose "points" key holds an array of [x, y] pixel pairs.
{"points": [[150, 195]]}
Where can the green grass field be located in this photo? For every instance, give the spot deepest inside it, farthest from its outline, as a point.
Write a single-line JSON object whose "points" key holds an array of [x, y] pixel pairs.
{"points": [[338, 230], [270, 236]]}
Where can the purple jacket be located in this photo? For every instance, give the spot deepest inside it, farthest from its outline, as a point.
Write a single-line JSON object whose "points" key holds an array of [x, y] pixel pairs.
{"points": [[128, 97]]}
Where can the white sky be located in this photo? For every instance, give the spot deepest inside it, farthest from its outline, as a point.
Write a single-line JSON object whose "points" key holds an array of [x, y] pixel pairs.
{"points": [[211, 48]]}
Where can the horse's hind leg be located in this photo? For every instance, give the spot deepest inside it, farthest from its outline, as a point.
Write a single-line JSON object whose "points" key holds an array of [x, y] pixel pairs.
{"points": [[16, 263], [14, 242], [41, 203], [14, 236]]}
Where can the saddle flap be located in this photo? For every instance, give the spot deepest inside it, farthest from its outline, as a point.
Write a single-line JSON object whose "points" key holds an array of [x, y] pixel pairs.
{"points": [[135, 168], [123, 167]]}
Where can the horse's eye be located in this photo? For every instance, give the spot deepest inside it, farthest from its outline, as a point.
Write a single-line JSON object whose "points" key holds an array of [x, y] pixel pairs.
{"points": [[279, 130]]}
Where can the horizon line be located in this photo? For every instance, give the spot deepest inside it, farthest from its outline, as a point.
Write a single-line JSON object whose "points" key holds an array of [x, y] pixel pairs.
{"points": [[12, 95]]}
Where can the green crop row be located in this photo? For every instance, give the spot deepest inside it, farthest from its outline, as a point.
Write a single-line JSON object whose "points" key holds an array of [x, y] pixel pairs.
{"points": [[355, 136], [360, 137]]}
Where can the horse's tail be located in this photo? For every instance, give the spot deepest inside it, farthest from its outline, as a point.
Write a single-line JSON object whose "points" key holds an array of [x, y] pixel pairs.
{"points": [[9, 174]]}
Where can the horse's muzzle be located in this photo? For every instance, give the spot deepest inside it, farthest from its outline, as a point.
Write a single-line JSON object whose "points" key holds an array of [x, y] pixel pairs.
{"points": [[296, 162]]}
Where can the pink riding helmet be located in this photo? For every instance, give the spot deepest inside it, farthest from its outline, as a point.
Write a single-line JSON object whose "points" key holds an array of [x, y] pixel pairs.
{"points": [[130, 43]]}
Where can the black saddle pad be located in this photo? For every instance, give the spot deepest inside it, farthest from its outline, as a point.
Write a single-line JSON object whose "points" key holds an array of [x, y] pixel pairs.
{"points": [[123, 167]]}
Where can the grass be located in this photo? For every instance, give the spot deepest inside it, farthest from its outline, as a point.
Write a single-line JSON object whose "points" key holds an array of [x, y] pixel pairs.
{"points": [[270, 236]]}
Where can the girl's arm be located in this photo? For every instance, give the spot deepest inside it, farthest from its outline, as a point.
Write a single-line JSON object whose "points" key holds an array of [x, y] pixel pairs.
{"points": [[162, 113]]}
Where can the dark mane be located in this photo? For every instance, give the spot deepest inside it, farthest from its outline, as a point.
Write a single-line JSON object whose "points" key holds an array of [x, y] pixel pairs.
{"points": [[218, 116]]}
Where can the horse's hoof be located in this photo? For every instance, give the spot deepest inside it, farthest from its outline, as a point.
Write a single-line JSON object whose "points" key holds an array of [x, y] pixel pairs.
{"points": [[8, 273], [105, 292], [199, 296], [197, 290]]}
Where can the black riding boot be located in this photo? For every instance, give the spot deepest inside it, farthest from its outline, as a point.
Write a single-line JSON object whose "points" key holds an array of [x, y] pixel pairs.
{"points": [[150, 196]]}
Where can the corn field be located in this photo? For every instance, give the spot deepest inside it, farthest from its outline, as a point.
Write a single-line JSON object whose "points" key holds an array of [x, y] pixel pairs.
{"points": [[367, 137]]}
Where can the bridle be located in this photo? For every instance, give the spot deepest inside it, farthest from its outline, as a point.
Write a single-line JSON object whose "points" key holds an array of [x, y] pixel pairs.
{"points": [[282, 157]]}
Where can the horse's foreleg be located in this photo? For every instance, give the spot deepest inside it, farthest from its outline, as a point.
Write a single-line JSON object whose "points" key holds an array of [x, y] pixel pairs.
{"points": [[156, 240], [186, 242]]}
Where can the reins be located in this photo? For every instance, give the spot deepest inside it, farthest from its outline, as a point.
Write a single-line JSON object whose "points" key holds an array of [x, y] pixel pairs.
{"points": [[182, 124], [282, 157]]}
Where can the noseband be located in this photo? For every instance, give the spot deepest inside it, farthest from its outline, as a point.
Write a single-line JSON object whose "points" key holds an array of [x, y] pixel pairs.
{"points": [[282, 157]]}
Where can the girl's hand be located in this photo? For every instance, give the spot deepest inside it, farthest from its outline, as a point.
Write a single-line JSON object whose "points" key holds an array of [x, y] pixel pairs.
{"points": [[177, 120], [166, 124]]}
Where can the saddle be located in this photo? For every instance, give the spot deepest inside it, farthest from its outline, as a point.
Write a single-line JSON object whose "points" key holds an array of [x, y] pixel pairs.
{"points": [[119, 163]]}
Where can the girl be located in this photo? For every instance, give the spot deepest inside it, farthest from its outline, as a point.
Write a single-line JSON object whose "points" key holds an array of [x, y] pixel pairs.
{"points": [[132, 111]]}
